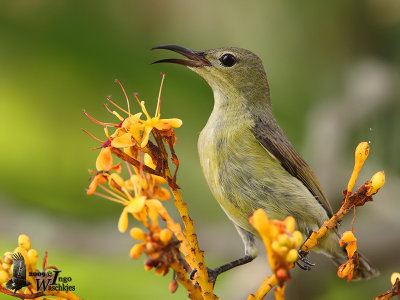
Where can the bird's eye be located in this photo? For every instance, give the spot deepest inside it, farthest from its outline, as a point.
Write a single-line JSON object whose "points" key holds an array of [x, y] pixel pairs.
{"points": [[228, 60]]}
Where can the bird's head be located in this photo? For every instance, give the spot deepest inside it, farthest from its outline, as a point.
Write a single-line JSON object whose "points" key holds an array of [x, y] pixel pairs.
{"points": [[234, 72]]}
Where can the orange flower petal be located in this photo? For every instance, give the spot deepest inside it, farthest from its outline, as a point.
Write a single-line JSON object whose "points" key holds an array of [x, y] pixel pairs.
{"points": [[123, 141], [148, 161], [158, 179], [117, 179], [347, 236], [351, 248], [161, 193], [123, 221], [104, 161], [118, 168], [163, 126], [136, 204], [176, 123], [99, 178], [146, 136], [92, 187]]}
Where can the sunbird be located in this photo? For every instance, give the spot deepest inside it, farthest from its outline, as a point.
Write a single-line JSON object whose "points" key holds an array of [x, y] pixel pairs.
{"points": [[248, 161]]}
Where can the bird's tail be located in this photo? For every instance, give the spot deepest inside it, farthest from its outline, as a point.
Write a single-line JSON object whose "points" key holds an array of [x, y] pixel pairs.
{"points": [[365, 269]]}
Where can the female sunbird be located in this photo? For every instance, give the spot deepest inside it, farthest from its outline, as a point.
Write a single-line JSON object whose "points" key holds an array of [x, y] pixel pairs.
{"points": [[249, 162]]}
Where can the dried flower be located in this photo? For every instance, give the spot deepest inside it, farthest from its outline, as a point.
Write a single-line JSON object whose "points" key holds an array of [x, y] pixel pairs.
{"points": [[347, 269]]}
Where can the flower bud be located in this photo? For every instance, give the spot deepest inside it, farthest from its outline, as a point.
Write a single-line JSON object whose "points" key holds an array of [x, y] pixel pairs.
{"points": [[394, 277], [290, 223], [160, 270], [283, 250], [33, 258], [24, 241], [281, 274], [284, 240], [8, 258], [292, 255], [275, 246], [138, 234], [150, 247], [361, 155], [3, 276], [173, 286], [136, 250], [377, 181], [165, 236], [297, 239]]}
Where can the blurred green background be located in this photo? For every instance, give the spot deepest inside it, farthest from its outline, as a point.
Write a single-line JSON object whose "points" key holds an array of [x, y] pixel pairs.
{"points": [[333, 69]]}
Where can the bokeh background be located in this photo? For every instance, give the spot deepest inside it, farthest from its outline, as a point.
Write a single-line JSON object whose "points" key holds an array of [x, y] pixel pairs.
{"points": [[333, 69]]}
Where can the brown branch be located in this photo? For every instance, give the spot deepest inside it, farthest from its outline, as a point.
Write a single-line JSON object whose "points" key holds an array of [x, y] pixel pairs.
{"points": [[122, 155]]}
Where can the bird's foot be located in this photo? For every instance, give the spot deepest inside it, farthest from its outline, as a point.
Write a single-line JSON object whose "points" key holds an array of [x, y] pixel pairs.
{"points": [[303, 257], [212, 274]]}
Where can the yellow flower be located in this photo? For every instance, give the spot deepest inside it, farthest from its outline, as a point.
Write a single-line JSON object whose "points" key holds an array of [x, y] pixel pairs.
{"points": [[135, 205], [156, 122]]}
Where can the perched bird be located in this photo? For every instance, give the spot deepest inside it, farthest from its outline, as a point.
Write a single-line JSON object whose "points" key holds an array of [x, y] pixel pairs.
{"points": [[18, 280], [248, 161]]}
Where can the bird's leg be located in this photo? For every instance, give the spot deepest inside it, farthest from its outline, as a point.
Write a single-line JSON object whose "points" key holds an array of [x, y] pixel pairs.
{"points": [[213, 273], [250, 253], [303, 257]]}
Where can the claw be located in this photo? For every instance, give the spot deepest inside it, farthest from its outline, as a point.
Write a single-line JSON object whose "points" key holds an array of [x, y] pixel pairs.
{"points": [[303, 257], [212, 274]]}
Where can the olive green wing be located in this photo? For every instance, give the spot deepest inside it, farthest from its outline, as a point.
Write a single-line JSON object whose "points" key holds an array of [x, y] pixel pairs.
{"points": [[279, 146]]}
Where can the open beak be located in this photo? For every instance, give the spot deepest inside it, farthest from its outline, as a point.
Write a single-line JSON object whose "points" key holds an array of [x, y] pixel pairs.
{"points": [[195, 58]]}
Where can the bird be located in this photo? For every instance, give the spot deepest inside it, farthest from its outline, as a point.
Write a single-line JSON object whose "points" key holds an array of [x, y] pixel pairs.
{"points": [[18, 280], [248, 161]]}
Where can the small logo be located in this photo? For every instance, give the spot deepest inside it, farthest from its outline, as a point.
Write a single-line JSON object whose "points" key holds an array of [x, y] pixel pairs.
{"points": [[51, 281], [18, 281]]}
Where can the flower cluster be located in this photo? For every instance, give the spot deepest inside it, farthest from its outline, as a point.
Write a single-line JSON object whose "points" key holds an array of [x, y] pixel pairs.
{"points": [[30, 256], [33, 275], [141, 192], [281, 240], [360, 197]]}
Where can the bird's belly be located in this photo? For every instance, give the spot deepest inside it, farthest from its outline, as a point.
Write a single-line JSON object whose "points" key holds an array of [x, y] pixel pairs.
{"points": [[243, 177]]}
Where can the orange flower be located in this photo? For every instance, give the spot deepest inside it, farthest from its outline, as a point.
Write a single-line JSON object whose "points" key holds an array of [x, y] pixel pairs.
{"points": [[99, 178], [156, 122], [348, 237]]}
